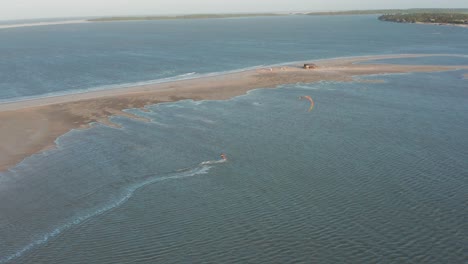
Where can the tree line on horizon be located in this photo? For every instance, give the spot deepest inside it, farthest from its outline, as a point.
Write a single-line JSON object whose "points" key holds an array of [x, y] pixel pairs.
{"points": [[239, 15], [394, 11], [446, 18]]}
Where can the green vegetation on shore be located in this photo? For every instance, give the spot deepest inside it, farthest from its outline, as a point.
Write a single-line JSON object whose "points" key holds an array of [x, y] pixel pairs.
{"points": [[393, 11], [444, 18], [193, 16], [419, 11]]}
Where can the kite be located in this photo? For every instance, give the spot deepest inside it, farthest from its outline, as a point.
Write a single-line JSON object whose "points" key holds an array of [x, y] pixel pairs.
{"points": [[310, 100]]}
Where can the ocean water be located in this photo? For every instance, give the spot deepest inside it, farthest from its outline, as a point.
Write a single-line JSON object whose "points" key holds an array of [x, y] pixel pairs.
{"points": [[439, 60], [48, 60], [376, 173]]}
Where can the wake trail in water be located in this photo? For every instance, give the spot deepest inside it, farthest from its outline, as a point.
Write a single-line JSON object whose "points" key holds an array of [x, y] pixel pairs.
{"points": [[212, 162], [202, 168]]}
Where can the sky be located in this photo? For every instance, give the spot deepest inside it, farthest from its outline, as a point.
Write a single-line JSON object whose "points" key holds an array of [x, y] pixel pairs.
{"points": [[30, 9]]}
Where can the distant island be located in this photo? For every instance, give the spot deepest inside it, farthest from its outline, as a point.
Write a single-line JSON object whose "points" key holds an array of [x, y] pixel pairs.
{"points": [[432, 18], [192, 16], [240, 15], [393, 11], [445, 16]]}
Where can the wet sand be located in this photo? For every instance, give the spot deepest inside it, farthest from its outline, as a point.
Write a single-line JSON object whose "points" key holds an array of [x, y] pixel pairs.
{"points": [[31, 126]]}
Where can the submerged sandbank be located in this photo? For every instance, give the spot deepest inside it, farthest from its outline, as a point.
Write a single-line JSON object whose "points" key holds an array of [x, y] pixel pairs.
{"points": [[31, 126]]}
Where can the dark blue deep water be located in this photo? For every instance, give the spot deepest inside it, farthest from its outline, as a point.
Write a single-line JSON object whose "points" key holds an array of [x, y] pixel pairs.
{"points": [[376, 173]]}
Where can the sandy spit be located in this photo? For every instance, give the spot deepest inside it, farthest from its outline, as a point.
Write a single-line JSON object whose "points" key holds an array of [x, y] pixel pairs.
{"points": [[32, 126], [43, 24]]}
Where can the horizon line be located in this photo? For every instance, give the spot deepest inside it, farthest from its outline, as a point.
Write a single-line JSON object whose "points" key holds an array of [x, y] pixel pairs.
{"points": [[283, 12]]}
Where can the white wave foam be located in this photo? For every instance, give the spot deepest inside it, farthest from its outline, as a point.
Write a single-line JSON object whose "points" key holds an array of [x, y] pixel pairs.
{"points": [[194, 75], [211, 162], [127, 194], [99, 88], [185, 76]]}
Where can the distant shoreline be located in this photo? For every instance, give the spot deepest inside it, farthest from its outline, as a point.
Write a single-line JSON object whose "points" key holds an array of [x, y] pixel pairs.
{"points": [[443, 19], [241, 15], [390, 11], [32, 126], [176, 17], [38, 24], [135, 18]]}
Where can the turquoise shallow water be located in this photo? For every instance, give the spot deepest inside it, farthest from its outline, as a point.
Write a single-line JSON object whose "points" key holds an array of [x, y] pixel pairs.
{"points": [[377, 173]]}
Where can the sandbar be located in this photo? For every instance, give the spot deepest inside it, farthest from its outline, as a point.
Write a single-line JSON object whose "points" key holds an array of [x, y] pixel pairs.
{"points": [[38, 24], [31, 126]]}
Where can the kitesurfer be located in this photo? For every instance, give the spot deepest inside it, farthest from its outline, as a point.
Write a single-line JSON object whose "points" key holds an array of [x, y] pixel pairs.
{"points": [[223, 156]]}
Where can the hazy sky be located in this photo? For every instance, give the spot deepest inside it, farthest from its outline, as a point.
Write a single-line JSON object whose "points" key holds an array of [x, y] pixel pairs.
{"points": [[21, 9]]}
